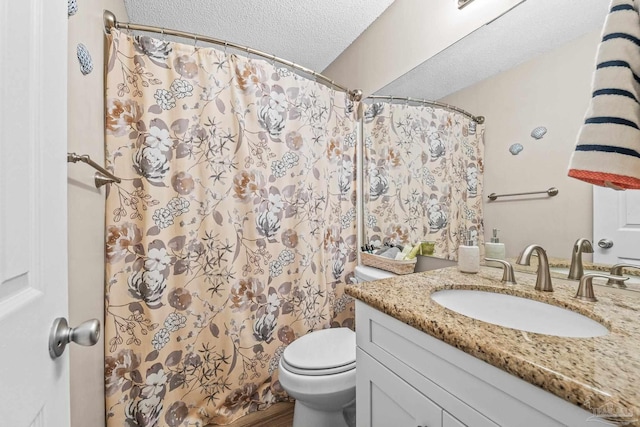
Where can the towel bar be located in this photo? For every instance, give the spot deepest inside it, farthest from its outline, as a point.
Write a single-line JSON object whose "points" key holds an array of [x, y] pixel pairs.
{"points": [[553, 191]]}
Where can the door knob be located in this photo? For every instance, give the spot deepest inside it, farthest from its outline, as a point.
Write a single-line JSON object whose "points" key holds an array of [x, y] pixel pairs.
{"points": [[86, 334], [605, 243]]}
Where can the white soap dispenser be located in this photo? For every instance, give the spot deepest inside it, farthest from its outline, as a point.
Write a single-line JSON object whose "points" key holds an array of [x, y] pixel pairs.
{"points": [[468, 256], [495, 249]]}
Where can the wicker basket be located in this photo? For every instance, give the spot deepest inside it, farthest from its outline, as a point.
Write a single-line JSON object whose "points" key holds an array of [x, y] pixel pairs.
{"points": [[388, 264]]}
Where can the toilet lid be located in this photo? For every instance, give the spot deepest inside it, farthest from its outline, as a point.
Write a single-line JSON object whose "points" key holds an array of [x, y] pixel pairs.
{"points": [[324, 352]]}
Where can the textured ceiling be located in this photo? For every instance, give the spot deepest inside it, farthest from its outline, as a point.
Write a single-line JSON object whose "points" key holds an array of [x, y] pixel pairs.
{"points": [[311, 33], [532, 28]]}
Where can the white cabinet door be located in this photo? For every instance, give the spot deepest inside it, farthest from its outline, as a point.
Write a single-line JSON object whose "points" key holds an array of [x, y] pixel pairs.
{"points": [[34, 389], [449, 421], [616, 217], [384, 400]]}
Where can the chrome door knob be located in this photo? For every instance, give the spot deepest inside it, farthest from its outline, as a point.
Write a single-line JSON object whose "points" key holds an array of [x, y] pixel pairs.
{"points": [[86, 334], [605, 243]]}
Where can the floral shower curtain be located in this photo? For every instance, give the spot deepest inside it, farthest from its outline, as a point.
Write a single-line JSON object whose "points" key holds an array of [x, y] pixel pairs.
{"points": [[423, 170], [231, 234]]}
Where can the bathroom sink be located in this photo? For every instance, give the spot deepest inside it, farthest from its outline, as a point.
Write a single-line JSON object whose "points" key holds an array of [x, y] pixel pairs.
{"points": [[519, 313], [632, 280]]}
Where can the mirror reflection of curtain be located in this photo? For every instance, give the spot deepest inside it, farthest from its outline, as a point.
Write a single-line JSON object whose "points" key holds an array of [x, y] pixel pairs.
{"points": [[231, 234], [423, 176]]}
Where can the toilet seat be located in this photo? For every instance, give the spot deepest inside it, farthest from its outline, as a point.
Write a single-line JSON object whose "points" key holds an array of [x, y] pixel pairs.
{"points": [[318, 372], [324, 352]]}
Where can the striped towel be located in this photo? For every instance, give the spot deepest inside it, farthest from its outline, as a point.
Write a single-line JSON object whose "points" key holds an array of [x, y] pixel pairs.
{"points": [[608, 149]]}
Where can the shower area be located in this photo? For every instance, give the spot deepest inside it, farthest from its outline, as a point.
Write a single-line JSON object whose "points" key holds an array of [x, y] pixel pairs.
{"points": [[246, 191]]}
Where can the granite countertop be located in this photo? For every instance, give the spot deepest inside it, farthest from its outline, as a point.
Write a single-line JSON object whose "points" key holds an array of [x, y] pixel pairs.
{"points": [[589, 372]]}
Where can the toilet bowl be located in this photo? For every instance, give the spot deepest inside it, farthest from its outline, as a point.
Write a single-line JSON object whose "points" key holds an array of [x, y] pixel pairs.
{"points": [[319, 370]]}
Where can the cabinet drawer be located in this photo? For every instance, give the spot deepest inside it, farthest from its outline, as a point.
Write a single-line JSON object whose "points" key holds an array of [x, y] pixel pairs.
{"points": [[384, 399]]}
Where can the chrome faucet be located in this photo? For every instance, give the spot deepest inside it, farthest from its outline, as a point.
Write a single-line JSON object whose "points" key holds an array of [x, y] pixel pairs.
{"points": [[581, 246], [585, 289], [507, 271], [543, 281], [616, 270]]}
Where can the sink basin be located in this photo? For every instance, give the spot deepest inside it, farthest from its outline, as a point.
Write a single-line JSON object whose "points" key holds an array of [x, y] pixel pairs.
{"points": [[632, 280], [519, 313]]}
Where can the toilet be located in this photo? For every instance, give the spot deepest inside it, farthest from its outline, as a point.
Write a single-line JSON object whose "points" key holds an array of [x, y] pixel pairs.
{"points": [[319, 371], [365, 273]]}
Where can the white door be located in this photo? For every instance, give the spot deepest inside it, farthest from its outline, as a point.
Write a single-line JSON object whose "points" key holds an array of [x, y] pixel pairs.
{"points": [[34, 388], [616, 218]]}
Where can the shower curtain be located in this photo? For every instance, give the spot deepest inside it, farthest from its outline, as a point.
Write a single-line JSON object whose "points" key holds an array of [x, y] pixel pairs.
{"points": [[231, 234], [423, 175]]}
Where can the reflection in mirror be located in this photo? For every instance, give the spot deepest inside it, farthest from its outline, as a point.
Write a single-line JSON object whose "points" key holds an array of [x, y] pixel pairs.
{"points": [[423, 176], [529, 68]]}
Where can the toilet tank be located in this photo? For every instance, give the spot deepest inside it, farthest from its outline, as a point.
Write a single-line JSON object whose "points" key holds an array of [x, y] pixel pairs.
{"points": [[364, 273]]}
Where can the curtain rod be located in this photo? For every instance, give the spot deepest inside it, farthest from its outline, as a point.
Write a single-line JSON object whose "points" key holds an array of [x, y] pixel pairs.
{"points": [[110, 22], [477, 119]]}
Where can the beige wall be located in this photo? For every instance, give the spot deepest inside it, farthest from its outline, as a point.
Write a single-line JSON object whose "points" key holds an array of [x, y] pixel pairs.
{"points": [[552, 90], [86, 209], [405, 35]]}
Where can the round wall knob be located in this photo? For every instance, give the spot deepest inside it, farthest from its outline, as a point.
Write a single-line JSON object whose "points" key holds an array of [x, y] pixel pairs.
{"points": [[605, 243], [86, 334]]}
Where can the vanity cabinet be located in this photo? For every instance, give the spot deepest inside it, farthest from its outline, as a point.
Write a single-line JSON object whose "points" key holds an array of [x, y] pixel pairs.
{"points": [[406, 377]]}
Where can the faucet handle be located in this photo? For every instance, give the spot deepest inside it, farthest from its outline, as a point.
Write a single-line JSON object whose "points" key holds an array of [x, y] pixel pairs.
{"points": [[507, 271], [616, 270], [585, 289]]}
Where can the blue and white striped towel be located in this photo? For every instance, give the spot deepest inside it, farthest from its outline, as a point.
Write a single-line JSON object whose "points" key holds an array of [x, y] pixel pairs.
{"points": [[608, 149]]}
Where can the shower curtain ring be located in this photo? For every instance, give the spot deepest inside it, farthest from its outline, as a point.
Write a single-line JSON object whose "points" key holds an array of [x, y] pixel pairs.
{"points": [[273, 61], [226, 45], [162, 33], [195, 40]]}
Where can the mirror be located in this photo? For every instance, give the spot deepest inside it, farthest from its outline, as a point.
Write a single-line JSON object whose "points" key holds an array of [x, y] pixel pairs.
{"points": [[530, 67]]}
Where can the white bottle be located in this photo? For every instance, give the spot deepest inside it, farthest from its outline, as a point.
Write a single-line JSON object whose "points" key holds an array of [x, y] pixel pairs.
{"points": [[468, 256], [495, 249]]}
